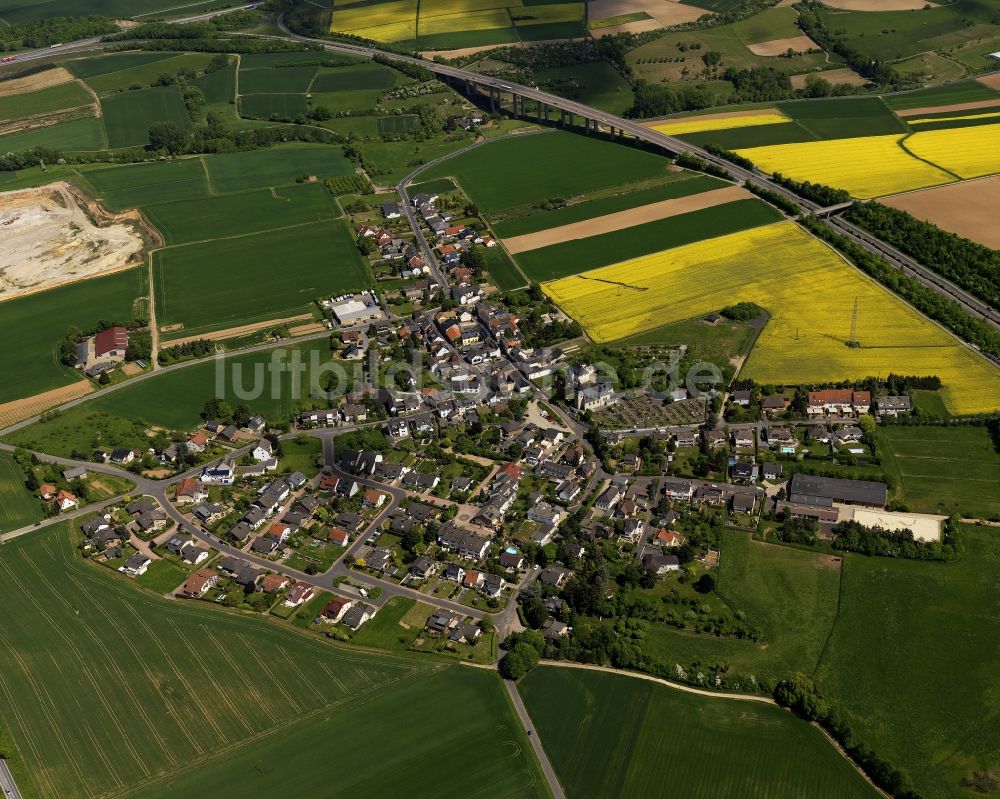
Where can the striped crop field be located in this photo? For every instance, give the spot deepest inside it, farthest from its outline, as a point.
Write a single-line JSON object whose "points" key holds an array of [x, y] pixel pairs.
{"points": [[809, 292], [111, 691], [969, 152], [934, 120], [677, 127], [869, 166], [614, 735]]}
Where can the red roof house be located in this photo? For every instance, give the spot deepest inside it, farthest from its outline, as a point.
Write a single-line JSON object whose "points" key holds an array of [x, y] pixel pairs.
{"points": [[111, 342]]}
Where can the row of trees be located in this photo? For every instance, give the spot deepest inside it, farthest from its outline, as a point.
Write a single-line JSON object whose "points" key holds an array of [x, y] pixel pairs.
{"points": [[800, 695], [855, 537], [972, 266]]}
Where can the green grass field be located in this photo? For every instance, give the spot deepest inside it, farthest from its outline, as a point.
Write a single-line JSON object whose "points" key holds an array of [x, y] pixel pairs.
{"points": [[718, 343], [77, 134], [519, 171], [174, 400], [843, 117], [138, 185], [791, 595], [299, 455], [503, 270], [236, 214], [579, 255], [963, 92], [913, 661], [117, 62], [681, 184], [753, 136], [14, 11], [353, 78], [229, 282], [55, 98], [128, 115], [18, 506], [611, 735], [944, 469], [111, 690], [278, 166], [218, 86], [891, 35], [597, 84], [291, 80], [677, 58], [144, 74], [276, 106], [40, 321]]}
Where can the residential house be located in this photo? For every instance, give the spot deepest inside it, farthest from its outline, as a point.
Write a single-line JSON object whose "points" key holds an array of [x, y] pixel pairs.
{"points": [[136, 565], [659, 564], [893, 405], [335, 609], [838, 401], [358, 614], [299, 594], [198, 583]]}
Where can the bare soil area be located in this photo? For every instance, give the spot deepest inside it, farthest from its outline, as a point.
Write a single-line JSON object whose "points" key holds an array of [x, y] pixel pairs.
{"points": [[797, 44], [877, 5], [993, 81], [51, 235], [233, 332], [625, 219], [32, 83], [940, 109], [663, 12], [967, 208], [16, 411], [835, 76]]}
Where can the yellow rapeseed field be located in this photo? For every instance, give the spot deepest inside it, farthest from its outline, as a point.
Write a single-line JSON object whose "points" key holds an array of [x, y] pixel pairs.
{"points": [[469, 21], [929, 120], [435, 8], [871, 166], [676, 127], [809, 292], [372, 17], [969, 152]]}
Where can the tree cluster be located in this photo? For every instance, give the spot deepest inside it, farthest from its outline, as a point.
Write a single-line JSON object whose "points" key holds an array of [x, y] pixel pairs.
{"points": [[199, 348], [972, 266], [54, 30], [799, 694], [851, 536]]}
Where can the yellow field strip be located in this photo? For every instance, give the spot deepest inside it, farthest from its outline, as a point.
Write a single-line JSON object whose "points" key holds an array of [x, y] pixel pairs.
{"points": [[677, 127]]}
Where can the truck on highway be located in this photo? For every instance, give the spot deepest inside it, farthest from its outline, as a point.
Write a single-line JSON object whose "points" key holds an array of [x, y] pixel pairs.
{"points": [[54, 46]]}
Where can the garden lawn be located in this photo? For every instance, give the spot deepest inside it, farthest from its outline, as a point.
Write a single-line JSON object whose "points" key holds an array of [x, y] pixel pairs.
{"points": [[234, 214], [236, 281], [162, 576], [299, 455], [129, 115], [529, 169], [912, 662], [39, 322], [609, 735], [174, 689], [578, 255], [278, 166], [944, 469], [385, 632], [18, 506]]}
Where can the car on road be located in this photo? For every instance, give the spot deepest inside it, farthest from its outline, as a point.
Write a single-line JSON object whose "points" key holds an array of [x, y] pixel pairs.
{"points": [[8, 58]]}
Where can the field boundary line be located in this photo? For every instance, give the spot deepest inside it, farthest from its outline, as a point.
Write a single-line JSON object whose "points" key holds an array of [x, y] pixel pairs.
{"points": [[764, 700], [901, 143], [833, 627]]}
